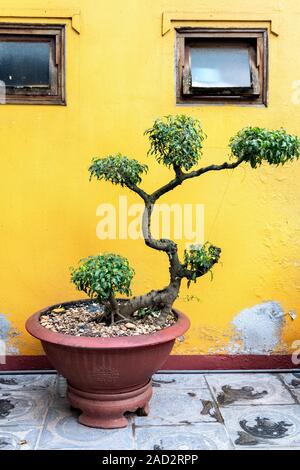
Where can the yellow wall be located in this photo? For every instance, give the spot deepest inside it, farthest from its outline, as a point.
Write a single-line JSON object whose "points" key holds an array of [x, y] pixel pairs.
{"points": [[120, 77]]}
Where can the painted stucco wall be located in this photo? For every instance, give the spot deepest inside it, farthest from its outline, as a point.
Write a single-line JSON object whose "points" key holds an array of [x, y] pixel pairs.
{"points": [[120, 77]]}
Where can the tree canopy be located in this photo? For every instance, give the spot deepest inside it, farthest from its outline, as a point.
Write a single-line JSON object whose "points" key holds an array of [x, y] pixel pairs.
{"points": [[256, 145], [118, 169], [176, 141], [103, 275]]}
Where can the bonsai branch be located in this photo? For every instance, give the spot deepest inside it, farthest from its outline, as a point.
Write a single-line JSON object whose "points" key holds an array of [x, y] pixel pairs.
{"points": [[181, 176], [136, 189]]}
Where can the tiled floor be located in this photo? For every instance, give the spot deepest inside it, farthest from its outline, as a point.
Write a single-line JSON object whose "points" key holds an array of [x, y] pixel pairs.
{"points": [[188, 412]]}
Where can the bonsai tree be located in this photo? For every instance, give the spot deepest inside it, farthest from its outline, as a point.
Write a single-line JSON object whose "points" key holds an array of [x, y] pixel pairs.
{"points": [[176, 142]]}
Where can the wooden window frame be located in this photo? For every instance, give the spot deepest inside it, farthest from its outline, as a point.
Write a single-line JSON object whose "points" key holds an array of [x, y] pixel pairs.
{"points": [[257, 43], [55, 35]]}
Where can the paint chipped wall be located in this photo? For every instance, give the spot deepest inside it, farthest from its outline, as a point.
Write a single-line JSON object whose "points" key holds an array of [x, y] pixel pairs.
{"points": [[8, 337], [118, 80]]}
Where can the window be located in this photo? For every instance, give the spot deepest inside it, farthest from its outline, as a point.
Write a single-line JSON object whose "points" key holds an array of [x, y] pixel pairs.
{"points": [[221, 66], [32, 64]]}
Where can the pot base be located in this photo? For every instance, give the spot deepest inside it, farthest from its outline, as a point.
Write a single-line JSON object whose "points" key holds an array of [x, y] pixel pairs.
{"points": [[106, 410]]}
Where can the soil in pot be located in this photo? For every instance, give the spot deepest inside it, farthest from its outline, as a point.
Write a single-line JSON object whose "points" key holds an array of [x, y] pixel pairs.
{"points": [[85, 319]]}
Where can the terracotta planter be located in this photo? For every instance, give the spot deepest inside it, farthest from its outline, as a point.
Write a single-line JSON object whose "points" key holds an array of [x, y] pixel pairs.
{"points": [[107, 376]]}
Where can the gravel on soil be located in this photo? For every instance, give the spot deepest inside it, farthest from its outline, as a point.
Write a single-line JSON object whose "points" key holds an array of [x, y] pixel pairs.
{"points": [[79, 320]]}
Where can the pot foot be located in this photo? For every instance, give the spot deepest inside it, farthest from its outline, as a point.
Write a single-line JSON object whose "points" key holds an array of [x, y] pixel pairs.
{"points": [[143, 411], [107, 410]]}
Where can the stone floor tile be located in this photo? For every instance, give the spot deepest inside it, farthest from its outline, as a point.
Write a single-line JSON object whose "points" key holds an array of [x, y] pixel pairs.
{"points": [[276, 426], [18, 437], [292, 381], [203, 436], [179, 407], [257, 408], [179, 380], [62, 431], [23, 408], [248, 389], [27, 382]]}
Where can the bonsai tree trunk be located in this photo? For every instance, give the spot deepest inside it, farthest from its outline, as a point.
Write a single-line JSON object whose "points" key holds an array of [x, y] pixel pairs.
{"points": [[114, 308], [161, 299]]}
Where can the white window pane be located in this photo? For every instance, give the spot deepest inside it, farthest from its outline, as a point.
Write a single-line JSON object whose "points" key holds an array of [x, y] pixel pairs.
{"points": [[220, 67]]}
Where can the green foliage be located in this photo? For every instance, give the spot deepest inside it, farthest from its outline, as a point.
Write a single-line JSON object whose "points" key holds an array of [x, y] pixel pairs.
{"points": [[103, 275], [199, 259], [117, 169], [176, 141], [255, 145]]}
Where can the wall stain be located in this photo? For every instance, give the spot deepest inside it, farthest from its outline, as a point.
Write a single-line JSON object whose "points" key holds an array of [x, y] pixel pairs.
{"points": [[254, 330], [4, 327], [224, 340], [9, 335], [259, 328]]}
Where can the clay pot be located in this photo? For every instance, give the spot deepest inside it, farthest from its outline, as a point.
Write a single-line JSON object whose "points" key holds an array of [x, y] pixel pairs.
{"points": [[107, 376]]}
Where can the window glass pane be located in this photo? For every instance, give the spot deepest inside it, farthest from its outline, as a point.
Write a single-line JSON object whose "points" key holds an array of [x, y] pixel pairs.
{"points": [[24, 63], [215, 66]]}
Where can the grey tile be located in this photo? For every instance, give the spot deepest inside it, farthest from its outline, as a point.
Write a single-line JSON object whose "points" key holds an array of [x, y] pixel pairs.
{"points": [[275, 426], [27, 382], [248, 389], [62, 431], [183, 406], [18, 437], [292, 381], [23, 408], [179, 380], [203, 436]]}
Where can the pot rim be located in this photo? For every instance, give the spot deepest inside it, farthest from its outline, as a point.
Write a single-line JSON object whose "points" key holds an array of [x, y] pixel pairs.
{"points": [[34, 327]]}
